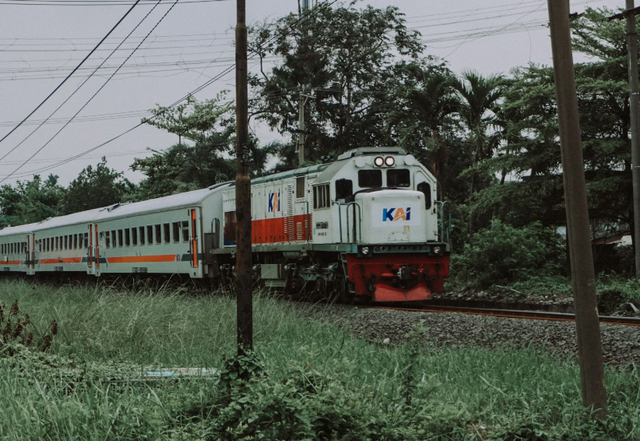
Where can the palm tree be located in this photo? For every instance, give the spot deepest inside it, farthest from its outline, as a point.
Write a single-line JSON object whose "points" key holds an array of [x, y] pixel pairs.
{"points": [[479, 98], [419, 122]]}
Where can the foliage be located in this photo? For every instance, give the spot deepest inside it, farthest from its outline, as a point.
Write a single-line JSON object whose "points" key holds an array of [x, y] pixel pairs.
{"points": [[422, 121], [31, 201], [502, 254], [210, 126], [346, 57], [307, 405], [18, 335], [309, 377], [529, 152], [96, 187]]}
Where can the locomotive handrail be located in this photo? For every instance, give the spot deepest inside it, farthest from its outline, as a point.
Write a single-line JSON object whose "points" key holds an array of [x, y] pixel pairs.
{"points": [[443, 237], [359, 228]]}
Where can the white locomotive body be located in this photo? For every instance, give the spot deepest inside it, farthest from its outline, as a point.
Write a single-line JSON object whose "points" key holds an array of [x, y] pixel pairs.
{"points": [[364, 225]]}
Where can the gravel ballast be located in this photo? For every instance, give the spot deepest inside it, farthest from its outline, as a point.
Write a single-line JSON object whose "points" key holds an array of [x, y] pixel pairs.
{"points": [[621, 344]]}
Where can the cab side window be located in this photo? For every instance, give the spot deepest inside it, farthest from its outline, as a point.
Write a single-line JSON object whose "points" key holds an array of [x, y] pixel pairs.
{"points": [[344, 188], [425, 188]]}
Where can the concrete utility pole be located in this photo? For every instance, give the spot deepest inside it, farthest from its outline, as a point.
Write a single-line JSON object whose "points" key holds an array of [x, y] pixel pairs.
{"points": [[634, 110], [244, 295], [594, 394]]}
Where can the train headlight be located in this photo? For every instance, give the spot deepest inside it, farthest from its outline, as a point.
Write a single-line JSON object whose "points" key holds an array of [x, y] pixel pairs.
{"points": [[389, 160], [379, 161], [437, 250], [365, 251]]}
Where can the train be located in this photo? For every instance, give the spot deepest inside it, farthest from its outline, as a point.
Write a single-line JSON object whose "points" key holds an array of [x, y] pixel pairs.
{"points": [[366, 226]]}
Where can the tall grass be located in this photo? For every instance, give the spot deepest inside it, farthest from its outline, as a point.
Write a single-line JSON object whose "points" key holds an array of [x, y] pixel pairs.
{"points": [[89, 386]]}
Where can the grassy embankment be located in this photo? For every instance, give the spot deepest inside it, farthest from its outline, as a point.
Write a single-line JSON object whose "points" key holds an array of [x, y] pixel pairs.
{"points": [[311, 381]]}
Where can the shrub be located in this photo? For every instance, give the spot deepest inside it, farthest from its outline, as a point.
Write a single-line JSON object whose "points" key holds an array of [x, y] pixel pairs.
{"points": [[504, 254]]}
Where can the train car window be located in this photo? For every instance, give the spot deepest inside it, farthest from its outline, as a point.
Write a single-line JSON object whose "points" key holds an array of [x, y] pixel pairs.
{"points": [[127, 237], [141, 230], [344, 188], [86, 240], [185, 231], [300, 187], [65, 243], [369, 178], [75, 241], [120, 238], [150, 234], [167, 232], [398, 177], [70, 241], [134, 236], [80, 243], [230, 227], [176, 231], [425, 188], [107, 239], [321, 196], [158, 233]]}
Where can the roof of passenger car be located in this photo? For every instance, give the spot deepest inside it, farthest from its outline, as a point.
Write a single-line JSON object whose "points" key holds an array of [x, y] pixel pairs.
{"points": [[181, 200]]}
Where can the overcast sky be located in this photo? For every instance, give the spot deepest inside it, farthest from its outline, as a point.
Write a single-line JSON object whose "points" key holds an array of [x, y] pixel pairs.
{"points": [[42, 41]]}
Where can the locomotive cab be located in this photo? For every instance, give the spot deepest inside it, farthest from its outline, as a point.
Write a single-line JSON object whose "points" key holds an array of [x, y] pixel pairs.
{"points": [[383, 213]]}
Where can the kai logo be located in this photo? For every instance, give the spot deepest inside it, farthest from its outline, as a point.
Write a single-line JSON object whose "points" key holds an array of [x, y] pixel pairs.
{"points": [[396, 214], [274, 202]]}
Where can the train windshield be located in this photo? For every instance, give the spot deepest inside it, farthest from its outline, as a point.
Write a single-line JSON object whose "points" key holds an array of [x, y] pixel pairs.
{"points": [[398, 177], [369, 178]]}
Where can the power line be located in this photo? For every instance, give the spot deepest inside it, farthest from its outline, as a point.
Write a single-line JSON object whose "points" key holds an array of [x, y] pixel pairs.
{"points": [[92, 97], [77, 89], [72, 72], [89, 2], [226, 71]]}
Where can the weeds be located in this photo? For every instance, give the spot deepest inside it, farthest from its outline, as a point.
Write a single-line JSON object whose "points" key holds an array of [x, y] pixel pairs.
{"points": [[306, 381], [18, 334]]}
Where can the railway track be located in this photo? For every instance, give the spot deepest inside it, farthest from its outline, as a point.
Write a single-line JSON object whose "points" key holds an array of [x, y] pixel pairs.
{"points": [[510, 313]]}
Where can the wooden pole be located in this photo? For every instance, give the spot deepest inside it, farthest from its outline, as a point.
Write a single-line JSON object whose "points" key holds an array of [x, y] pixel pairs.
{"points": [[594, 394], [244, 294]]}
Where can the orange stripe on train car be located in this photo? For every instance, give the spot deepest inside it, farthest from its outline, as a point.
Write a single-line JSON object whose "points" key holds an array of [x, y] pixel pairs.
{"points": [[63, 260], [137, 259], [12, 262]]}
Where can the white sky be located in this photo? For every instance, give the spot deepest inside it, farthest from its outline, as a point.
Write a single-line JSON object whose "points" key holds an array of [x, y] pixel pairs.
{"points": [[41, 43]]}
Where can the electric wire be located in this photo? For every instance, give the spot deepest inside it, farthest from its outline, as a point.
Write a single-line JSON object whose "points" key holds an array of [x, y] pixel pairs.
{"points": [[72, 72], [90, 99], [231, 68], [76, 91]]}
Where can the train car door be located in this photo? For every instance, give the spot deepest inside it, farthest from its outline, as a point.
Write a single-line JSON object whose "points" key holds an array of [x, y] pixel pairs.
{"points": [[30, 254], [93, 250], [96, 246], [195, 247]]}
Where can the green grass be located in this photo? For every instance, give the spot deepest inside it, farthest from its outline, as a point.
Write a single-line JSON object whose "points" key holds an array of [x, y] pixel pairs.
{"points": [[318, 382]]}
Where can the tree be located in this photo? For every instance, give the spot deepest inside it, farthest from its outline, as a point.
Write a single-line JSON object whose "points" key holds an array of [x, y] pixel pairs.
{"points": [[31, 201], [422, 121], [345, 57], [210, 127], [532, 154], [96, 187], [479, 100]]}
